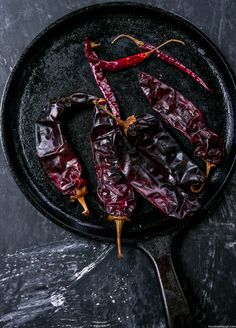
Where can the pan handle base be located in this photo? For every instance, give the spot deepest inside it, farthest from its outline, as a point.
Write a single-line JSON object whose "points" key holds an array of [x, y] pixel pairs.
{"points": [[176, 307]]}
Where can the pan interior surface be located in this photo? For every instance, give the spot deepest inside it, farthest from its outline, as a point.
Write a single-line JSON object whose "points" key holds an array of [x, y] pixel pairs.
{"points": [[54, 65]]}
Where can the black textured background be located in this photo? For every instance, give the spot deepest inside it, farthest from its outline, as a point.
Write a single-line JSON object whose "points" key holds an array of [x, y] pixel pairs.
{"points": [[51, 278]]}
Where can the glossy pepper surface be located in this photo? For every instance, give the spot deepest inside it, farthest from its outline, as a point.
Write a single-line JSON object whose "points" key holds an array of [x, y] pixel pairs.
{"points": [[56, 156], [152, 181], [118, 64], [115, 194], [182, 115], [144, 46], [100, 77], [150, 137]]}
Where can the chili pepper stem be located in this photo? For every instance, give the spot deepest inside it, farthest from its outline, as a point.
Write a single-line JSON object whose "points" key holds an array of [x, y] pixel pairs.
{"points": [[197, 189], [100, 103], [119, 225], [82, 202], [141, 43], [149, 53], [136, 41], [94, 45], [125, 124], [119, 221], [79, 196]]}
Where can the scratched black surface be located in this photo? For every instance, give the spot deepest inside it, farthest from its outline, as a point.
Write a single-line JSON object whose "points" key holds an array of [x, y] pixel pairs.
{"points": [[51, 278]]}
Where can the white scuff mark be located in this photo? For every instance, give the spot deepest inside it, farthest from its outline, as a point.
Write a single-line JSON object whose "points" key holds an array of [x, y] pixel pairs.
{"points": [[230, 245], [100, 324], [16, 318], [228, 225], [50, 249], [57, 298], [37, 303], [78, 275], [33, 303], [9, 21]]}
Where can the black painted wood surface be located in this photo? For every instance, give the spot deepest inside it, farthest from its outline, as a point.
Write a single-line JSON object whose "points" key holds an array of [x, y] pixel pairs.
{"points": [[52, 278]]}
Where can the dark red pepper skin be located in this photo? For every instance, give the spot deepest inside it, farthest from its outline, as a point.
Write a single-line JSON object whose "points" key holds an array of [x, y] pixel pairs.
{"points": [[174, 62], [57, 158], [115, 65], [123, 63], [100, 77], [150, 137], [116, 196], [152, 182], [181, 114]]}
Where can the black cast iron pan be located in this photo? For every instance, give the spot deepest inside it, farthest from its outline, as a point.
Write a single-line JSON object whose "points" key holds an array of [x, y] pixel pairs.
{"points": [[54, 65]]}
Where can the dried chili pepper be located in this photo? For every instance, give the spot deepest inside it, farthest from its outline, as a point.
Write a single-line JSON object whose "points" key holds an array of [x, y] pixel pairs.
{"points": [[166, 58], [100, 77], [116, 196], [149, 136], [57, 158], [97, 65], [182, 115], [126, 62], [153, 182]]}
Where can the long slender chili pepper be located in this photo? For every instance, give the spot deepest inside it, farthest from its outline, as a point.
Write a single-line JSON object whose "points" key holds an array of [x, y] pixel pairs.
{"points": [[97, 69], [100, 77], [182, 115], [57, 158], [149, 136], [166, 58], [116, 196], [126, 62], [152, 182]]}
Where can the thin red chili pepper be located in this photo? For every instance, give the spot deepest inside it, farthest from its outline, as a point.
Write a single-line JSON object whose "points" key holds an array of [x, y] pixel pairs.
{"points": [[100, 77], [182, 115], [97, 66], [57, 158], [126, 62], [166, 58]]}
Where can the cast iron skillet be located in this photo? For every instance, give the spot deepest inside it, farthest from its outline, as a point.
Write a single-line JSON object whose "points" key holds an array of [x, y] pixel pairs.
{"points": [[54, 65]]}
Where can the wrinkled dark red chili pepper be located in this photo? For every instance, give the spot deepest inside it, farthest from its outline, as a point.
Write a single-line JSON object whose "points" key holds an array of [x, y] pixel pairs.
{"points": [[151, 180], [149, 136], [166, 58], [182, 115], [57, 158], [116, 196]]}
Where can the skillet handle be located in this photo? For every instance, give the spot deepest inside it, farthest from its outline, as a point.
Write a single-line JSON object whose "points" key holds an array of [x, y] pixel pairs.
{"points": [[176, 307]]}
